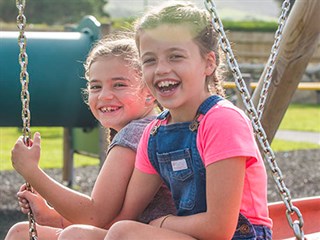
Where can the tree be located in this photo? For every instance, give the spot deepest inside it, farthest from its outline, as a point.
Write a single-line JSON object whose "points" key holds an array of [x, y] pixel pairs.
{"points": [[53, 12]]}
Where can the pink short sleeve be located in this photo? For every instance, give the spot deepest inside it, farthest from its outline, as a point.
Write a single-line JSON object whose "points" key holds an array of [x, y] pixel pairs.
{"points": [[142, 160], [225, 132]]}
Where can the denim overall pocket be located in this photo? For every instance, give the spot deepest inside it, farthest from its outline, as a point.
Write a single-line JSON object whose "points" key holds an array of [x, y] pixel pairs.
{"points": [[248, 231], [177, 168]]}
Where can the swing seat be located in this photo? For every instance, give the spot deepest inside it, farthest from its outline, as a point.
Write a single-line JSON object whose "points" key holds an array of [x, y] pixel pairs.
{"points": [[310, 210]]}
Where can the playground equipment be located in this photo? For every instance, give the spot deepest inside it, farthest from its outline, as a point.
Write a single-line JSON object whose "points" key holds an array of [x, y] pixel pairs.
{"points": [[56, 71], [282, 75]]}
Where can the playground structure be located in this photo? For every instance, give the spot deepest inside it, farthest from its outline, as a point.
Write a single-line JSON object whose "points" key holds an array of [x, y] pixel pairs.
{"points": [[299, 40], [56, 72]]}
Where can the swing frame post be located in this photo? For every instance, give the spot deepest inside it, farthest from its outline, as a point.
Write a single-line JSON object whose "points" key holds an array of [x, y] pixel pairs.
{"points": [[300, 38]]}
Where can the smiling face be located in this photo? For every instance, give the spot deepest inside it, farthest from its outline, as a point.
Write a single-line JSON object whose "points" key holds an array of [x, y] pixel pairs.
{"points": [[174, 69], [115, 96]]}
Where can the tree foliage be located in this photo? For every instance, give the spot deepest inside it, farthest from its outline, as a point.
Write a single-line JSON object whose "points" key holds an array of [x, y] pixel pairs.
{"points": [[53, 11]]}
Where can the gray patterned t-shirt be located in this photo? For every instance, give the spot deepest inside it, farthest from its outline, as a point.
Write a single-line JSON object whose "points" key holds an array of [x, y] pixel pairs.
{"points": [[129, 136]]}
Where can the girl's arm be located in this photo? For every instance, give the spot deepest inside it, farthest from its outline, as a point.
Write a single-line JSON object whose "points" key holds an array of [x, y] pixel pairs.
{"points": [[225, 181], [141, 190], [107, 195]]}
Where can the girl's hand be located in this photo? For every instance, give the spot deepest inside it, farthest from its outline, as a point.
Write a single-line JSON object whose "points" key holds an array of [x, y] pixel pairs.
{"points": [[25, 159], [23, 202], [34, 201]]}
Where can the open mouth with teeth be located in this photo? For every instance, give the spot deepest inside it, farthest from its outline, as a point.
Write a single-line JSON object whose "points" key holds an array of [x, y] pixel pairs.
{"points": [[167, 86], [109, 109]]}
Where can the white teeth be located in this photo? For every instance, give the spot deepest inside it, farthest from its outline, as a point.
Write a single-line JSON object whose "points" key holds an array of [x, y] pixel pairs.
{"points": [[166, 83], [108, 109]]}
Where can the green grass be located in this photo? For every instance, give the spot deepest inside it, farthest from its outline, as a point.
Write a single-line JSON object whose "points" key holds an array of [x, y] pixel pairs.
{"points": [[300, 117], [278, 145], [51, 148], [250, 26]]}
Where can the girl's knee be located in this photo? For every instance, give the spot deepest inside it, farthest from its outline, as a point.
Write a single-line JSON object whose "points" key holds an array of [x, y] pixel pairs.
{"points": [[18, 231], [121, 230], [79, 232], [70, 232]]}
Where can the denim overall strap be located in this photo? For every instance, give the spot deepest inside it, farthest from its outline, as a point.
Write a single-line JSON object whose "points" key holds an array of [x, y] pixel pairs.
{"points": [[209, 103], [163, 115], [172, 150]]}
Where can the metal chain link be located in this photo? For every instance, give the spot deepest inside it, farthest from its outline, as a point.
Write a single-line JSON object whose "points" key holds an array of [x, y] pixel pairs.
{"points": [[271, 61], [25, 97], [268, 153]]}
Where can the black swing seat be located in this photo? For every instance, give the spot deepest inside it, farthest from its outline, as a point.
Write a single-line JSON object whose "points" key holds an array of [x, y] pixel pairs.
{"points": [[310, 210]]}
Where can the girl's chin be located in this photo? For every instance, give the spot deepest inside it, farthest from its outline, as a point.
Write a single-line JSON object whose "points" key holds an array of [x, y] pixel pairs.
{"points": [[112, 125]]}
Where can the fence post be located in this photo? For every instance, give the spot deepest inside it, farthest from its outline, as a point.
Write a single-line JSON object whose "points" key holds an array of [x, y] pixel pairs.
{"points": [[67, 171]]}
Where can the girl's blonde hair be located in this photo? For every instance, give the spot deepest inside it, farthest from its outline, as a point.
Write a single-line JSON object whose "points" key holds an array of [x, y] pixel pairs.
{"points": [[116, 45], [200, 25]]}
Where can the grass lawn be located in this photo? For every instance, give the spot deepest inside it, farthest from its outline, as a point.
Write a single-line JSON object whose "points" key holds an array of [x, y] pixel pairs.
{"points": [[302, 117], [51, 148], [298, 117]]}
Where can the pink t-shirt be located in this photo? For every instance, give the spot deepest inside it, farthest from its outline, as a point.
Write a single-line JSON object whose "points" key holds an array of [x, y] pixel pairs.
{"points": [[225, 132]]}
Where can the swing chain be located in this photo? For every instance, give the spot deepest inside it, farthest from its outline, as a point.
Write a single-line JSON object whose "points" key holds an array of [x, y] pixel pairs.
{"points": [[24, 76], [25, 97], [271, 61], [258, 129]]}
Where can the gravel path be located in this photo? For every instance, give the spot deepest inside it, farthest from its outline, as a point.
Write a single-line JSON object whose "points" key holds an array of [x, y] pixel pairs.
{"points": [[301, 170]]}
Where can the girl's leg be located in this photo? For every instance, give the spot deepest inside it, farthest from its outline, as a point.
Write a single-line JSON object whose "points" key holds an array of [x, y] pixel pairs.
{"points": [[20, 231], [79, 232], [131, 230]]}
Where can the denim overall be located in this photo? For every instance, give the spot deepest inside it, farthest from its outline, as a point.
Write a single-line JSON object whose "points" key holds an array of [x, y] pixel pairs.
{"points": [[172, 150]]}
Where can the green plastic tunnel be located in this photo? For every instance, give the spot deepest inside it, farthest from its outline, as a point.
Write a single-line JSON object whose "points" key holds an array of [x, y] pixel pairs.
{"points": [[56, 75]]}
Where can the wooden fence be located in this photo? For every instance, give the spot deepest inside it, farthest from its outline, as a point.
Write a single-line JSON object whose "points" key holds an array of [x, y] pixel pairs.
{"points": [[255, 47]]}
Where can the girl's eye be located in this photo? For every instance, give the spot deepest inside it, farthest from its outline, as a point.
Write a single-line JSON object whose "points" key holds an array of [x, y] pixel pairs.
{"points": [[175, 57], [148, 61], [120, 85], [94, 87]]}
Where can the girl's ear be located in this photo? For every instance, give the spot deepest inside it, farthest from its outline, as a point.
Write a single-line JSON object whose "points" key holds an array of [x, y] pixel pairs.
{"points": [[210, 63], [149, 98]]}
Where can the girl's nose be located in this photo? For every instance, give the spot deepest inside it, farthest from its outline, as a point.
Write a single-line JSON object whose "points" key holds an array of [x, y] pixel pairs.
{"points": [[163, 67], [106, 93]]}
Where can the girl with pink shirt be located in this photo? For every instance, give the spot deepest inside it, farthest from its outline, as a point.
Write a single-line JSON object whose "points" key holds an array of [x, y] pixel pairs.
{"points": [[202, 146]]}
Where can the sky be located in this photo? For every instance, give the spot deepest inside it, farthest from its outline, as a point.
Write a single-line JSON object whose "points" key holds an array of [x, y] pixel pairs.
{"points": [[227, 9]]}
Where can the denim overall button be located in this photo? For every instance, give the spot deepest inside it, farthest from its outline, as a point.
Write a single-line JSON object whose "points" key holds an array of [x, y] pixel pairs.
{"points": [[194, 126], [154, 130], [244, 229]]}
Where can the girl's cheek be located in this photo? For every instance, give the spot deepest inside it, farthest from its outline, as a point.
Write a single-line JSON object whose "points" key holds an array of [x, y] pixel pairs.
{"points": [[90, 102]]}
